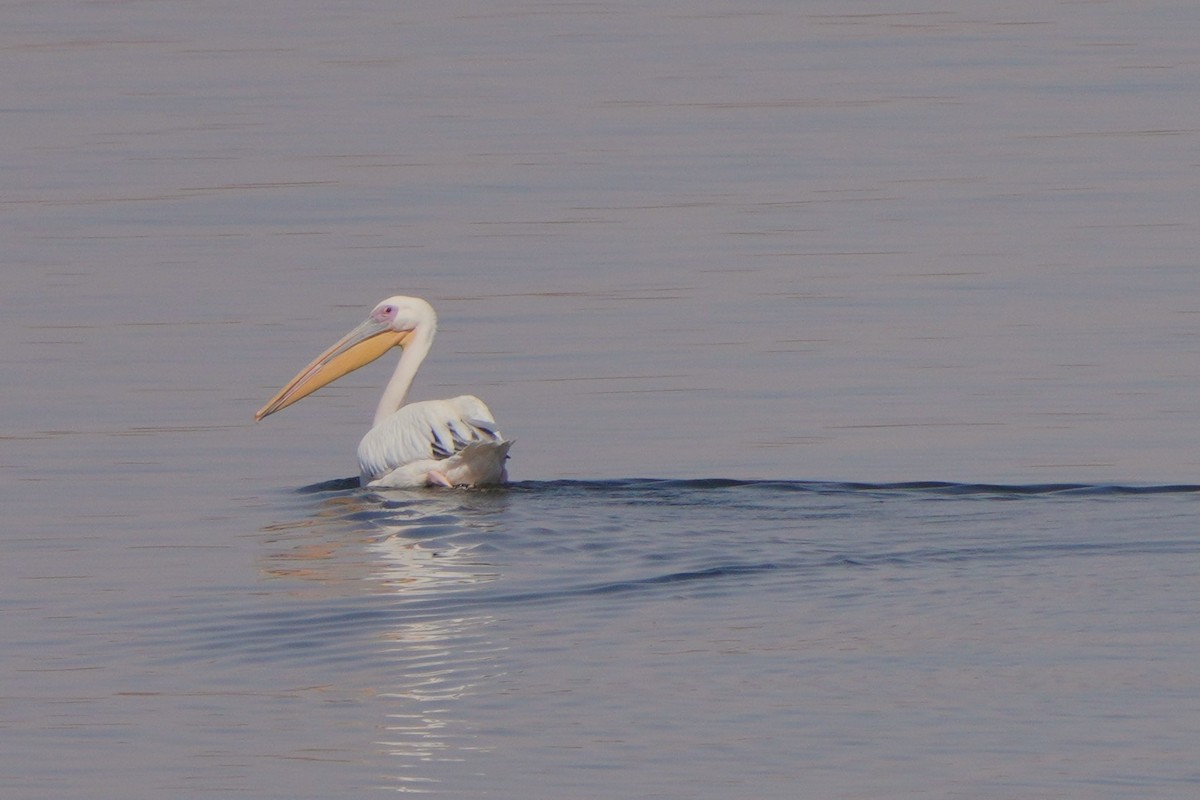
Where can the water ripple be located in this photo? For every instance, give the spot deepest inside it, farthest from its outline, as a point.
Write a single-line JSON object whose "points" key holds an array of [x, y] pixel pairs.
{"points": [[666, 485], [416, 593], [365, 567]]}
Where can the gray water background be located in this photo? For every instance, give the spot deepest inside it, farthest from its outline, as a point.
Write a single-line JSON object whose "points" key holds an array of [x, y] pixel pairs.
{"points": [[769, 241]]}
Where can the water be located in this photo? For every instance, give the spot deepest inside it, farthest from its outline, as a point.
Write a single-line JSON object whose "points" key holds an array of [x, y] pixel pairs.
{"points": [[849, 350], [663, 638]]}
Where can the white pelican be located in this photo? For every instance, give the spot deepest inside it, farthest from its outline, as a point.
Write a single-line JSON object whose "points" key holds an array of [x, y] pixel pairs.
{"points": [[431, 443]]}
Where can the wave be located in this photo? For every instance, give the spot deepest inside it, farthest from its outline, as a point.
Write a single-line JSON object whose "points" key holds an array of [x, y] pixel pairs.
{"points": [[361, 569], [947, 488]]}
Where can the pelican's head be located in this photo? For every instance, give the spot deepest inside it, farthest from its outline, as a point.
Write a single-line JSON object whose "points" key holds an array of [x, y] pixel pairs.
{"points": [[395, 322]]}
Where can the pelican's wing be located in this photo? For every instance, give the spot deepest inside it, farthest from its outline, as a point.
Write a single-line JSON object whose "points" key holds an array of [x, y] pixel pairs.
{"points": [[429, 431]]}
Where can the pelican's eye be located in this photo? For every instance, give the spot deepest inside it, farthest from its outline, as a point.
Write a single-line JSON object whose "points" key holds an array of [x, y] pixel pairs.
{"points": [[384, 313]]}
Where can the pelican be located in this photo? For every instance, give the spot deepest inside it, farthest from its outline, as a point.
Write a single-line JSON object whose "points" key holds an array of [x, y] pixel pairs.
{"points": [[451, 442]]}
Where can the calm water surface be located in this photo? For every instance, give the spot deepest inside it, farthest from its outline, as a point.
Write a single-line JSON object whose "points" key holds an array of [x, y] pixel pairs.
{"points": [[741, 279]]}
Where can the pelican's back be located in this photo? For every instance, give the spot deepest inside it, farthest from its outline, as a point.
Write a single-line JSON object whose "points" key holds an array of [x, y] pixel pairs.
{"points": [[455, 439]]}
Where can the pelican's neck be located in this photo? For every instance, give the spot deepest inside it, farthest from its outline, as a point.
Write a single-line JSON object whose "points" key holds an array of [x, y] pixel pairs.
{"points": [[410, 361]]}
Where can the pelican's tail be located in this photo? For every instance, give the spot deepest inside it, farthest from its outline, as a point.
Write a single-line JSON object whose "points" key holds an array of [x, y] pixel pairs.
{"points": [[480, 463]]}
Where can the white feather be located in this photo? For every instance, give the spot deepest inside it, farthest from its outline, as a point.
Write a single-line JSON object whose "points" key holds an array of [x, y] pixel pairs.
{"points": [[421, 443]]}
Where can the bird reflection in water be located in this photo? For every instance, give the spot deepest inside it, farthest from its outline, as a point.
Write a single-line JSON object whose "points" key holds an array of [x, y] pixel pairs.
{"points": [[415, 556]]}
